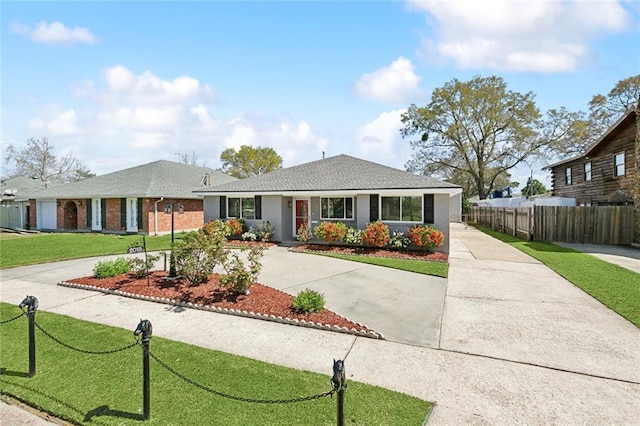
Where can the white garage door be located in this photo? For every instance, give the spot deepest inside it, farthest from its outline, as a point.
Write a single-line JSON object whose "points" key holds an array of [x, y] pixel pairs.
{"points": [[47, 215]]}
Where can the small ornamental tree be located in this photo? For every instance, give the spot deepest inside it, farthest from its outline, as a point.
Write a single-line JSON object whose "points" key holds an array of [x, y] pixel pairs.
{"points": [[331, 232], [239, 276], [376, 234], [425, 236]]}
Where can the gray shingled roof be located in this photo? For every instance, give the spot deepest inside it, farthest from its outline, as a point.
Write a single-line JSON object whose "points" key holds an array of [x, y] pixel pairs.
{"points": [[157, 179], [20, 188], [339, 173]]}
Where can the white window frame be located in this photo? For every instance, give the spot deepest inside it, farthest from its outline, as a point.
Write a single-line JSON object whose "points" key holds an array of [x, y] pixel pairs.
{"points": [[344, 209], [132, 215], [568, 180], [241, 216], [96, 214], [617, 166], [400, 220], [588, 171]]}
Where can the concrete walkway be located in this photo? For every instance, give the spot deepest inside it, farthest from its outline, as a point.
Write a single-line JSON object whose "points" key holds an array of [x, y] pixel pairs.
{"points": [[625, 256], [518, 343]]}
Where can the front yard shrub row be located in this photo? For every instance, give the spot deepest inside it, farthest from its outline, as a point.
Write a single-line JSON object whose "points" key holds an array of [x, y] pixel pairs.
{"points": [[377, 234], [111, 268]]}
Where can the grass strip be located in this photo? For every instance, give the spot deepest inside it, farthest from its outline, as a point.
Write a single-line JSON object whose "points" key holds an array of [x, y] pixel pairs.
{"points": [[107, 389], [40, 248], [438, 269], [616, 287]]}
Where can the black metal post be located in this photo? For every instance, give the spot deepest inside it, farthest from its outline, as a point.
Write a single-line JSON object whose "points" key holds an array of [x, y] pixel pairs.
{"points": [[339, 385], [145, 328], [172, 264], [32, 342], [31, 303]]}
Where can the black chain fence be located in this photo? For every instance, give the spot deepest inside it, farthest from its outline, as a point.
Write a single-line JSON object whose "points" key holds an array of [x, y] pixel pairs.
{"points": [[84, 351], [12, 319], [239, 398]]}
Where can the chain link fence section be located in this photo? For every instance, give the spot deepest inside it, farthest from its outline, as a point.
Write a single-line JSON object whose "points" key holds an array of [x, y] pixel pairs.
{"points": [[240, 398], [12, 319], [84, 351]]}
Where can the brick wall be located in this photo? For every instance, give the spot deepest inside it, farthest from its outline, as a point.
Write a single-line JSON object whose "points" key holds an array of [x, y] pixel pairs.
{"points": [[192, 218]]}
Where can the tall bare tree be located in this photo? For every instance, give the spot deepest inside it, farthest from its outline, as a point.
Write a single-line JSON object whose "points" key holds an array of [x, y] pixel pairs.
{"points": [[39, 161]]}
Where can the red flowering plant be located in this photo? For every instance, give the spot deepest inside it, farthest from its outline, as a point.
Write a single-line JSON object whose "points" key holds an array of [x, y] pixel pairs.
{"points": [[235, 225], [425, 237], [331, 232], [375, 234]]}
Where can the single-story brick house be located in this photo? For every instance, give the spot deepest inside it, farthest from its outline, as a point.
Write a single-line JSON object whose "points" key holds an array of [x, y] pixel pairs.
{"points": [[340, 188], [132, 200]]}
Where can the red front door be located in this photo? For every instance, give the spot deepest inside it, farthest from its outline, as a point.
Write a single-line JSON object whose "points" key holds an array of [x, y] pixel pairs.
{"points": [[302, 214]]}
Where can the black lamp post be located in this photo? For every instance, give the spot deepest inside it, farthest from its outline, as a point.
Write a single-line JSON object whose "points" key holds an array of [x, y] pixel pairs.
{"points": [[170, 208]]}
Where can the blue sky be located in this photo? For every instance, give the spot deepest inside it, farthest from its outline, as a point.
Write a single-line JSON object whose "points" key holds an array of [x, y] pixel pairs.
{"points": [[118, 84]]}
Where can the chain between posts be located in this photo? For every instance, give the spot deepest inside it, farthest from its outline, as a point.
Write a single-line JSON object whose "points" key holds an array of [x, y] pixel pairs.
{"points": [[84, 351], [13, 319], [239, 398]]}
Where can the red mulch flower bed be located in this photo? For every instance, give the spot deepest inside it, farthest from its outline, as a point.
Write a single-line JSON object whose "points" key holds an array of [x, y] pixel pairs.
{"points": [[261, 299], [374, 252]]}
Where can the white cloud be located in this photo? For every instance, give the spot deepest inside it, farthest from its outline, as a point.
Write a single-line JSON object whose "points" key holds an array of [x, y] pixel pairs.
{"points": [[380, 140], [396, 83], [55, 33], [128, 119], [517, 35]]}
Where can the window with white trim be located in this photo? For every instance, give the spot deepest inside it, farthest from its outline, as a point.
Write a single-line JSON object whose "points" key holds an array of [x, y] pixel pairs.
{"points": [[401, 209], [567, 176], [244, 208], [618, 164], [587, 171], [336, 208]]}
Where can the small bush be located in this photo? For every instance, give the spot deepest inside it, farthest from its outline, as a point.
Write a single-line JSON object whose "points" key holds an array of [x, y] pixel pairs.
{"points": [[376, 234], [266, 230], [237, 274], [308, 301], [198, 252], [353, 237], [236, 226], [250, 235], [331, 232], [304, 233], [217, 229], [399, 241], [140, 268], [111, 268], [425, 236]]}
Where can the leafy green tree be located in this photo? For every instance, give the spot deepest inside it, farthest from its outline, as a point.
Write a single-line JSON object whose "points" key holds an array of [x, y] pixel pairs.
{"points": [[480, 130], [605, 110], [249, 161], [39, 161], [534, 187]]}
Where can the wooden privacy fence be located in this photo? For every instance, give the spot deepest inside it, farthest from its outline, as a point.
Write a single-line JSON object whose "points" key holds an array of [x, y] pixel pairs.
{"points": [[586, 225]]}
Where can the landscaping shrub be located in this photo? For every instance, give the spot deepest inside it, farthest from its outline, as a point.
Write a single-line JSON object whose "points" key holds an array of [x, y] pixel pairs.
{"points": [[198, 252], [331, 232], [353, 236], [250, 235], [398, 240], [308, 301], [236, 226], [217, 227], [304, 233], [140, 268], [237, 274], [425, 236], [376, 234], [266, 230], [111, 268]]}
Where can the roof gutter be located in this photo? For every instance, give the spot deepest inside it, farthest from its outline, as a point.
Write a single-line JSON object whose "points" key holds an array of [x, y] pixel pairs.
{"points": [[155, 216]]}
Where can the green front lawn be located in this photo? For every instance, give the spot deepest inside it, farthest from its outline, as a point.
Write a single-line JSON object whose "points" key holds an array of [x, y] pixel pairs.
{"points": [[614, 286], [107, 389], [439, 269], [41, 248]]}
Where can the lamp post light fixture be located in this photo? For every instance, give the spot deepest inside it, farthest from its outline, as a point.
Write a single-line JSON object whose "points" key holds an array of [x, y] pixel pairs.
{"points": [[170, 208]]}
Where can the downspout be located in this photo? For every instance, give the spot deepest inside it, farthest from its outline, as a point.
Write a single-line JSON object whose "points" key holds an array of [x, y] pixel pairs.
{"points": [[155, 216]]}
